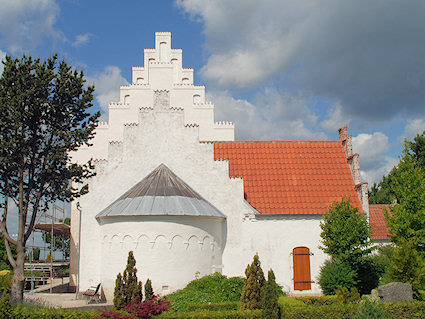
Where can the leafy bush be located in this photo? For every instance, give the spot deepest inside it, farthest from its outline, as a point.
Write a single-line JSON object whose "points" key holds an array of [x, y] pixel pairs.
{"points": [[236, 314], [334, 274], [140, 310], [319, 301], [368, 273], [220, 306], [344, 296], [209, 289], [6, 280], [5, 306]]}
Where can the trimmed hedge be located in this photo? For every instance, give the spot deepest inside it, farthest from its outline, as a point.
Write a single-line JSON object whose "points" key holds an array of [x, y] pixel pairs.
{"points": [[220, 306], [205, 314], [295, 308], [33, 312]]}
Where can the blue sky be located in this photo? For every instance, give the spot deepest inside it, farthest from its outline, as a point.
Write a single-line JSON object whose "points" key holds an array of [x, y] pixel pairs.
{"points": [[278, 69]]}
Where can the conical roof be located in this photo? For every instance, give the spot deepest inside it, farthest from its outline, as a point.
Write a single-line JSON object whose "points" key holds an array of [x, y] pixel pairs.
{"points": [[161, 193]]}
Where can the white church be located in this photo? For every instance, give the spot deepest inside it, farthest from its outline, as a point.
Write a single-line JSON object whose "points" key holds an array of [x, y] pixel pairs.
{"points": [[174, 186]]}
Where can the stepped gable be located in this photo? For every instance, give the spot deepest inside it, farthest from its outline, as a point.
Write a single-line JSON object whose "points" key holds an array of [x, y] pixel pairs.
{"points": [[161, 193], [290, 177], [377, 220]]}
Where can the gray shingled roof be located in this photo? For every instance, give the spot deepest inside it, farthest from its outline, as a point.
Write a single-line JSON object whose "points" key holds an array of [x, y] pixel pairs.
{"points": [[161, 193]]}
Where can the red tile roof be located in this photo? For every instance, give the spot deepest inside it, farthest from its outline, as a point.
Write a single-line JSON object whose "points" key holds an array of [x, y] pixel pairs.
{"points": [[290, 177], [377, 220]]}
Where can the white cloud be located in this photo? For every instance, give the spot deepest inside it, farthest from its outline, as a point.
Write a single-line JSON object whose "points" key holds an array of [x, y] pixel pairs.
{"points": [[340, 50], [107, 85], [25, 23], [373, 163], [336, 118], [81, 39], [275, 115], [2, 56], [413, 127]]}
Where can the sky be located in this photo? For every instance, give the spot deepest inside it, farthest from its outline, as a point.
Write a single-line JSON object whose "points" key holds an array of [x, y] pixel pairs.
{"points": [[278, 69]]}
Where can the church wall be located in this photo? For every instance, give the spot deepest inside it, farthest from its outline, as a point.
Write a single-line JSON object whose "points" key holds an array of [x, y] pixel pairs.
{"points": [[161, 137], [169, 250], [274, 238], [142, 134]]}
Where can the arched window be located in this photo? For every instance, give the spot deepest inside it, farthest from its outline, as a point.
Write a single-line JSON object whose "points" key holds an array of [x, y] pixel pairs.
{"points": [[196, 99], [302, 276], [126, 98], [139, 80], [163, 51]]}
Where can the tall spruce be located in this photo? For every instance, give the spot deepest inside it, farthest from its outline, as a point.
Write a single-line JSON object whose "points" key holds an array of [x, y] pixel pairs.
{"points": [[271, 309], [252, 292], [44, 115], [148, 290], [127, 288]]}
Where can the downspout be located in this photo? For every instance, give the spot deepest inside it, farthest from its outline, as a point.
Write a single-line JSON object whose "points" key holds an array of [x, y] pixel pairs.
{"points": [[79, 245]]}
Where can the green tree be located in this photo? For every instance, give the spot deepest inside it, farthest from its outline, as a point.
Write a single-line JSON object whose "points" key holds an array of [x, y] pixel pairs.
{"points": [[127, 288], [385, 192], [407, 266], [252, 292], [345, 233], [271, 309], [148, 290], [44, 115], [407, 221], [346, 238]]}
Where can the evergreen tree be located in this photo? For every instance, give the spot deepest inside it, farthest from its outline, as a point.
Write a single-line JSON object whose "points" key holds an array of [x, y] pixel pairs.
{"points": [[148, 290], [407, 266], [127, 288], [252, 292], [119, 293], [270, 307]]}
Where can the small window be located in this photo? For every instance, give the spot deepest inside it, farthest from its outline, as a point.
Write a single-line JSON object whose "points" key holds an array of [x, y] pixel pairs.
{"points": [[196, 99], [126, 99], [139, 80], [185, 80]]}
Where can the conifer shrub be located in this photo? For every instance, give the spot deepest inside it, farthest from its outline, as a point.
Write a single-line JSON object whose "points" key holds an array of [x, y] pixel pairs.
{"points": [[271, 309], [407, 266], [370, 310], [148, 290], [127, 288], [252, 292]]}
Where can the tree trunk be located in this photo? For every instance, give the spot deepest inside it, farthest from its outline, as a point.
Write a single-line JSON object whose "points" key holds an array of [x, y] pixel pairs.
{"points": [[18, 280]]}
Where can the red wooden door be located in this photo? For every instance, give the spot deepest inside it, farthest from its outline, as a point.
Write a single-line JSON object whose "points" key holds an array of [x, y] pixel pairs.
{"points": [[302, 277]]}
